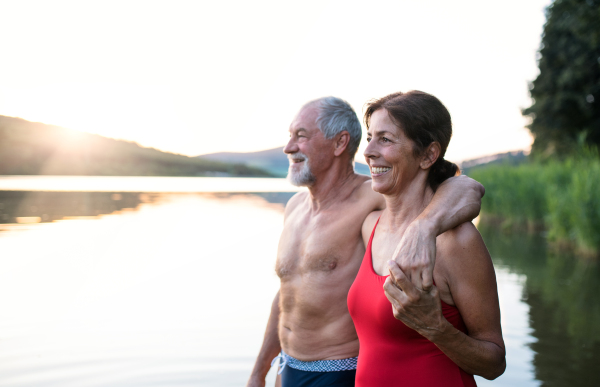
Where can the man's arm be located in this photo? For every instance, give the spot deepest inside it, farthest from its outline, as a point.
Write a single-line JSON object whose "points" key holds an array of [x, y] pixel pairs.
{"points": [[270, 348], [456, 201]]}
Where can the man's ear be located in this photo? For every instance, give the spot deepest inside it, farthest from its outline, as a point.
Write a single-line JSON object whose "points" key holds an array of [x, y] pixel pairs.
{"points": [[431, 155], [342, 139]]}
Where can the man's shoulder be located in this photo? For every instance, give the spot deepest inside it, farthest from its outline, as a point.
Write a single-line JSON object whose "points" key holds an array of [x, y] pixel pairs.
{"points": [[295, 201], [365, 194], [362, 185]]}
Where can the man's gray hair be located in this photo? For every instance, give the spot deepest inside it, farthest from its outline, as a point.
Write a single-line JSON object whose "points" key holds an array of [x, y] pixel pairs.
{"points": [[335, 116]]}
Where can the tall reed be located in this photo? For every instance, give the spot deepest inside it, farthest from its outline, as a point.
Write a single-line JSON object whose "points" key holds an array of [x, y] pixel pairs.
{"points": [[562, 196]]}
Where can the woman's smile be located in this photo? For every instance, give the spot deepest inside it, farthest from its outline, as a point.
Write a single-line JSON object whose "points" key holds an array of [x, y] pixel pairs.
{"points": [[378, 171]]}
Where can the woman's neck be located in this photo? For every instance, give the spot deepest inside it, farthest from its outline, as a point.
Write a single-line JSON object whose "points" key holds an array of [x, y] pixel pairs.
{"points": [[405, 206]]}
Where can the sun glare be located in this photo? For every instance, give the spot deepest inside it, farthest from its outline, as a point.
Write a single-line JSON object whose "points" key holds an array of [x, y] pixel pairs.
{"points": [[163, 79]]}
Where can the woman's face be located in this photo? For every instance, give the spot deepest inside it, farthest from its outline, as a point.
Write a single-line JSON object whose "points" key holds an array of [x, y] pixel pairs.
{"points": [[389, 155]]}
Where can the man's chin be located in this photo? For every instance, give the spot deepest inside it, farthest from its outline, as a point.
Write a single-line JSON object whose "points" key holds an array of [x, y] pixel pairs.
{"points": [[295, 182], [298, 180]]}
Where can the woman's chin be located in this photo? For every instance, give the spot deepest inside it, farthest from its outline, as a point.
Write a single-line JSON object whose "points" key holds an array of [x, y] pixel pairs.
{"points": [[379, 188]]}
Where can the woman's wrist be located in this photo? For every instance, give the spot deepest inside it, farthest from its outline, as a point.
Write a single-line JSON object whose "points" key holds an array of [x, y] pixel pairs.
{"points": [[440, 333]]}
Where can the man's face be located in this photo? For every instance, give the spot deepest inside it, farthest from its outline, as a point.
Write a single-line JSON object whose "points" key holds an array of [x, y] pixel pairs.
{"points": [[306, 143]]}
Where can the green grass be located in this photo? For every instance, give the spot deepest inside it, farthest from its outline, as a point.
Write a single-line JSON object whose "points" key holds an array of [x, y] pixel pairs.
{"points": [[563, 196]]}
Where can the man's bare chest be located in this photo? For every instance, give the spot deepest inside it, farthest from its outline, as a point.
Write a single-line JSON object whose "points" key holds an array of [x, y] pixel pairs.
{"points": [[319, 244]]}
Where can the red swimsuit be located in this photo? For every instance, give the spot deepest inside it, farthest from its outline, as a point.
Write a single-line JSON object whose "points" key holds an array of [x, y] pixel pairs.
{"points": [[392, 354]]}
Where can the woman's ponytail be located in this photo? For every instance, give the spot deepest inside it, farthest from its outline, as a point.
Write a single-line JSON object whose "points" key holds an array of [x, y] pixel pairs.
{"points": [[441, 170]]}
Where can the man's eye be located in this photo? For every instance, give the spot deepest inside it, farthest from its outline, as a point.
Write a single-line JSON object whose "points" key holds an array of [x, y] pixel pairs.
{"points": [[368, 139], [384, 139]]}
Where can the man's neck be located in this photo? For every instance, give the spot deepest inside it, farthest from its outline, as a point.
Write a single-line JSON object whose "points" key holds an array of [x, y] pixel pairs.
{"points": [[333, 185]]}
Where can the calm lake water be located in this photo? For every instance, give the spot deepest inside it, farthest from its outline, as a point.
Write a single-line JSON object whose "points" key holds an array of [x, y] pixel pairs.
{"points": [[152, 282]]}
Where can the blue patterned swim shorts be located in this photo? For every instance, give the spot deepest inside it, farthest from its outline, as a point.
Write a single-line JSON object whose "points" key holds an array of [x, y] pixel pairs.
{"points": [[348, 364]]}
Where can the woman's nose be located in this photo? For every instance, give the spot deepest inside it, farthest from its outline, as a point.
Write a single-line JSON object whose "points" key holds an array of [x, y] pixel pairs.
{"points": [[370, 151]]}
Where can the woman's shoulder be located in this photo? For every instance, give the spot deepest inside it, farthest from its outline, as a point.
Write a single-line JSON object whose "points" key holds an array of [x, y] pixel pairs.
{"points": [[461, 237], [461, 252]]}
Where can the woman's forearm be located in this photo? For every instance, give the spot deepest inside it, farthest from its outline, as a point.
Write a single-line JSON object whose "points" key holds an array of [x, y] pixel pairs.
{"points": [[477, 357], [482, 353]]}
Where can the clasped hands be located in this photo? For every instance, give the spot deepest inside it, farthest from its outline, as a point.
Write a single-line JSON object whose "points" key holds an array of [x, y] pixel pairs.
{"points": [[409, 288]]}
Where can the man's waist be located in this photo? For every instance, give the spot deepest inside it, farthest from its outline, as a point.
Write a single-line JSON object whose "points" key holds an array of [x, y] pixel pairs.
{"points": [[332, 365], [315, 350]]}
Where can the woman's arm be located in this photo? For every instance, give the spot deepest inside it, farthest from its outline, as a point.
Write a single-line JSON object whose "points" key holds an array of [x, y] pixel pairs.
{"points": [[472, 284]]}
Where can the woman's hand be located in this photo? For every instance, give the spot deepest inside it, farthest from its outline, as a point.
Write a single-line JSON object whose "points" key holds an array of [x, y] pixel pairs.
{"points": [[419, 309], [470, 274]]}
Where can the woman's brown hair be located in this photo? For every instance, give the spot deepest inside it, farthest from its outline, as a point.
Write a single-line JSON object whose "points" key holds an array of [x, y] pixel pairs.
{"points": [[424, 119]]}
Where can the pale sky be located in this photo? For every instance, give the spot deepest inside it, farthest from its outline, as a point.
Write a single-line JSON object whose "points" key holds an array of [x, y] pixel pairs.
{"points": [[195, 77]]}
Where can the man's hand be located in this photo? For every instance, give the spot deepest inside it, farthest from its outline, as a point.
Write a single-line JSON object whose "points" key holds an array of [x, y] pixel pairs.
{"points": [[417, 309], [415, 254], [456, 201], [255, 382]]}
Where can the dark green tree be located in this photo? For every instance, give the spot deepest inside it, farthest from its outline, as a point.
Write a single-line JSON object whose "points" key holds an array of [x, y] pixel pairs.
{"points": [[566, 93]]}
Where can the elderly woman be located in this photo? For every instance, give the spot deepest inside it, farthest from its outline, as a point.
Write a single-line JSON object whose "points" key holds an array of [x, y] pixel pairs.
{"points": [[411, 337]]}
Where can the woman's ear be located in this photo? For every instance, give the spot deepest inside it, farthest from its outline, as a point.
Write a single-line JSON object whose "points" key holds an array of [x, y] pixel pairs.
{"points": [[342, 139], [431, 155]]}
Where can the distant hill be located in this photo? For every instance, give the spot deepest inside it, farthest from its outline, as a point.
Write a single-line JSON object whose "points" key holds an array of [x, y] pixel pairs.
{"points": [[509, 158], [31, 148], [272, 160]]}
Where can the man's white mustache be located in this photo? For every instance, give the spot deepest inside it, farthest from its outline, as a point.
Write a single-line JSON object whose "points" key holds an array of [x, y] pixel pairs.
{"points": [[298, 156]]}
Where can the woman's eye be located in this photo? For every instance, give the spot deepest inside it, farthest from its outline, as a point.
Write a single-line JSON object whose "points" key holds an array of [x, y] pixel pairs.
{"points": [[384, 139], [368, 139]]}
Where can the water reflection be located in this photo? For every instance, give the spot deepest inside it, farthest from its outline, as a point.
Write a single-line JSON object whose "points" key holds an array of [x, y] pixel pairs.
{"points": [[173, 293], [563, 294], [176, 290], [36, 207], [40, 207]]}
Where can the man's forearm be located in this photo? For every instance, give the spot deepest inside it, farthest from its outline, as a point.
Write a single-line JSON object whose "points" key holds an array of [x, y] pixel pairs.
{"points": [[270, 347], [456, 201]]}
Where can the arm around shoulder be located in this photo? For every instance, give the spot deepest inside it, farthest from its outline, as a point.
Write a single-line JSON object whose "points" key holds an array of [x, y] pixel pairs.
{"points": [[456, 201]]}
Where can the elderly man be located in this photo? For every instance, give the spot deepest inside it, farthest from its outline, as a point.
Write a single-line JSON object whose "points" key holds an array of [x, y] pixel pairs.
{"points": [[321, 249]]}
